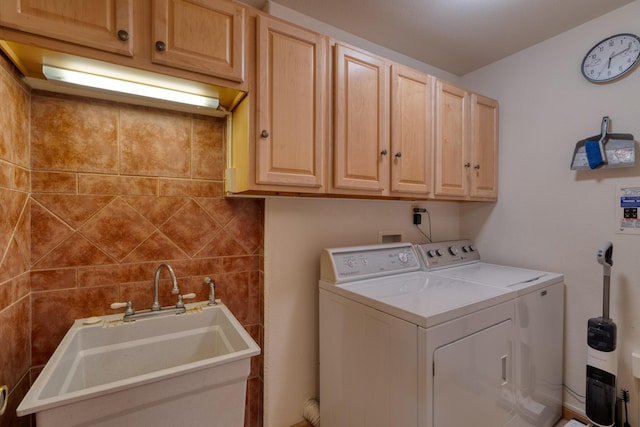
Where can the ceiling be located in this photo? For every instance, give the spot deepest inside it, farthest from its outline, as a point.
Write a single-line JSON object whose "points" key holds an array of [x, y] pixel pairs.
{"points": [[458, 36]]}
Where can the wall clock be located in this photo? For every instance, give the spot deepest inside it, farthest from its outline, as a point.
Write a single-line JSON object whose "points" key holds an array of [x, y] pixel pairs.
{"points": [[611, 58]]}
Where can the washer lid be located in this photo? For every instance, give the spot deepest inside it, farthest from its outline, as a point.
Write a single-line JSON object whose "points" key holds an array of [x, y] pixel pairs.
{"points": [[422, 298], [502, 276]]}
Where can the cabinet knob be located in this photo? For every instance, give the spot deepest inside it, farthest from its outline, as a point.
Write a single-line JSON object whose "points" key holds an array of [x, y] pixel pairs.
{"points": [[398, 154], [467, 165], [161, 46], [123, 35], [264, 134], [476, 167], [383, 152]]}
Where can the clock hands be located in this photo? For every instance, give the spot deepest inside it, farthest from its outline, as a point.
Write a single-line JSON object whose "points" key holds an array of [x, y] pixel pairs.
{"points": [[613, 55]]}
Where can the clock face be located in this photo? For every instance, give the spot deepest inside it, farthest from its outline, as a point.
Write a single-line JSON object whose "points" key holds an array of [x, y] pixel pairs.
{"points": [[611, 58]]}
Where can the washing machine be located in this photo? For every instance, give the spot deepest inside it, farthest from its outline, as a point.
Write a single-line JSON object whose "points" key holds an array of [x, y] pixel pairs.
{"points": [[539, 323], [401, 346]]}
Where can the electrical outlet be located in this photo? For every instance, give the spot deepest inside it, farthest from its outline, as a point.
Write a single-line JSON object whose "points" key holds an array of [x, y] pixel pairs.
{"points": [[389, 237]]}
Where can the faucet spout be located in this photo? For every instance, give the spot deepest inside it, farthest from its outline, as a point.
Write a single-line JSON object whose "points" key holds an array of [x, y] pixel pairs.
{"points": [[156, 304]]}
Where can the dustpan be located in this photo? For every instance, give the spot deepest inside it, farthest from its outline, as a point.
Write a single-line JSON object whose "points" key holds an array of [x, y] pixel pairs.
{"points": [[617, 150]]}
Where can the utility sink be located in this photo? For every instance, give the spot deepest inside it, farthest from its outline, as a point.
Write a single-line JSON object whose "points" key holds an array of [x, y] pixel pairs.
{"points": [[188, 368]]}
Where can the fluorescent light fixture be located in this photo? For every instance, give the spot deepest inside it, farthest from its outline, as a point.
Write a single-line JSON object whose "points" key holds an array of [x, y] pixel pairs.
{"points": [[125, 86]]}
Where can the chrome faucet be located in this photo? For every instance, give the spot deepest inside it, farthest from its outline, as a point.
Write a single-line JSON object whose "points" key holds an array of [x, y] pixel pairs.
{"points": [[156, 304]]}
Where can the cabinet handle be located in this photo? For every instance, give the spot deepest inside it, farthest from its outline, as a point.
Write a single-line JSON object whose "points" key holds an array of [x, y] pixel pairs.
{"points": [[467, 165], [161, 46], [398, 154], [123, 35], [264, 134], [383, 152], [476, 167]]}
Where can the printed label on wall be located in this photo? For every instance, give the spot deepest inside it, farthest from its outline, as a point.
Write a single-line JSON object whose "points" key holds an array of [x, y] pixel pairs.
{"points": [[627, 209]]}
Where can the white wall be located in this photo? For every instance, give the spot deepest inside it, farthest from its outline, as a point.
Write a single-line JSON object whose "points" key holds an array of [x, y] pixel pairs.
{"points": [[296, 230], [549, 216]]}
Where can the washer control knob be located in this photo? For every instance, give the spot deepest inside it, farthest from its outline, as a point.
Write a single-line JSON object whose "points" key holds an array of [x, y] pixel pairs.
{"points": [[453, 250], [465, 249], [350, 263], [431, 253], [439, 252], [472, 248], [403, 257]]}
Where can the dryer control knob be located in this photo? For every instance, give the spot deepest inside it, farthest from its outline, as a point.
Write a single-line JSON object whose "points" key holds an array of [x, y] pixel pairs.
{"points": [[453, 250], [431, 253], [472, 248], [403, 257], [439, 252]]}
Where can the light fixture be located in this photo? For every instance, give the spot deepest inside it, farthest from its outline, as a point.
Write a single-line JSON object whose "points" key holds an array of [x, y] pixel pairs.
{"points": [[126, 86]]}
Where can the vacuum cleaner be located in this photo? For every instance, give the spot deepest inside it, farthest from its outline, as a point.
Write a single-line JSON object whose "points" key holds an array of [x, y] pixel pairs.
{"points": [[602, 358]]}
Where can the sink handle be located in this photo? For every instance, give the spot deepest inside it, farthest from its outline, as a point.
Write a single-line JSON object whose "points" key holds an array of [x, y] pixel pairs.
{"points": [[128, 312], [180, 303]]}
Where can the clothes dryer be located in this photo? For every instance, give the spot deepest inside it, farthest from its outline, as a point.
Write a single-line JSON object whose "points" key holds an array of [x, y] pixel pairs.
{"points": [[539, 323]]}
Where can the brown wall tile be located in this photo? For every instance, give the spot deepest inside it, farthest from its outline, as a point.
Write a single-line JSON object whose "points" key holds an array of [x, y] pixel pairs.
{"points": [[208, 150], [15, 330], [116, 185], [54, 182], [73, 135], [14, 121], [154, 144]]}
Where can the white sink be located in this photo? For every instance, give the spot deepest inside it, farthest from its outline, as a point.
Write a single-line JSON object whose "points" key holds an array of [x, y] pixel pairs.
{"points": [[155, 370]]}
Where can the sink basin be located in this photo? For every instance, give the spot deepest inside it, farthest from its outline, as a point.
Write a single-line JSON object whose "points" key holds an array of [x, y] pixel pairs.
{"points": [[154, 370]]}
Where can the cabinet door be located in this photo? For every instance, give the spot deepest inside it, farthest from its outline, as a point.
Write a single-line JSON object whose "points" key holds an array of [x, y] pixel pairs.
{"points": [[292, 105], [100, 24], [484, 147], [411, 131], [452, 141], [205, 36], [361, 126]]}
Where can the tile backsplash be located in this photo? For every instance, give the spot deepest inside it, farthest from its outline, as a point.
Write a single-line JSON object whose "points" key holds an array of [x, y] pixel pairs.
{"points": [[115, 191]]}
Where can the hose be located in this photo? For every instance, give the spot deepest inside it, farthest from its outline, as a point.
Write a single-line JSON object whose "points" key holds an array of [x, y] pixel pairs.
{"points": [[311, 412]]}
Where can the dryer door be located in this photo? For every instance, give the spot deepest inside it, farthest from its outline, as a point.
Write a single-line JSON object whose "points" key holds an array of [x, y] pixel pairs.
{"points": [[472, 379]]}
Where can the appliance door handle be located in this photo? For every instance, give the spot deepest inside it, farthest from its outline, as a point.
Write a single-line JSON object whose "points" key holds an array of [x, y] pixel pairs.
{"points": [[503, 361]]}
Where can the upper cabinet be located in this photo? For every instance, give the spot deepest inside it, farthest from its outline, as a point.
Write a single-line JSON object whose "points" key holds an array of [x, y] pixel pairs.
{"points": [[199, 35], [411, 131], [466, 144], [382, 127], [484, 148], [199, 40], [280, 132], [361, 122], [101, 24], [291, 105]]}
